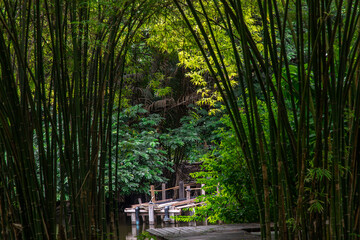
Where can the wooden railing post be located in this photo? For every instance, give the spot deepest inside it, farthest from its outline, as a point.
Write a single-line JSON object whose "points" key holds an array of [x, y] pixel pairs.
{"points": [[163, 191], [172, 220], [151, 214], [188, 192], [152, 193], [181, 189], [133, 218]]}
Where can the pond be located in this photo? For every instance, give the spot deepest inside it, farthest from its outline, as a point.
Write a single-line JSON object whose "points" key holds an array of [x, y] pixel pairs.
{"points": [[127, 231]]}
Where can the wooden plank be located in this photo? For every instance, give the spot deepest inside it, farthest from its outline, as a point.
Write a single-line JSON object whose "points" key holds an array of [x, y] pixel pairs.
{"points": [[178, 211], [224, 232], [174, 188], [183, 202], [132, 210], [166, 231], [158, 232], [163, 191], [176, 203], [146, 204], [189, 205], [165, 204]]}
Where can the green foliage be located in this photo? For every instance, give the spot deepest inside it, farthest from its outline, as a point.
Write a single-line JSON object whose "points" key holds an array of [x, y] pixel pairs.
{"points": [[180, 143], [141, 158], [169, 34], [144, 151], [194, 137], [229, 197], [155, 85], [146, 236]]}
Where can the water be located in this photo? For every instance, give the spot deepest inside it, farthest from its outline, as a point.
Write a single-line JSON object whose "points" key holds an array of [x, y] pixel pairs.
{"points": [[127, 231]]}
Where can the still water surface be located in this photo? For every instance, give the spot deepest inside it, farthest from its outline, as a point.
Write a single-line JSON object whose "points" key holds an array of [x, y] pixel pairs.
{"points": [[127, 231]]}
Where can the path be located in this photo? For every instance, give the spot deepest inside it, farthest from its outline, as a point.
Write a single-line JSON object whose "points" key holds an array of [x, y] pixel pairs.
{"points": [[210, 232]]}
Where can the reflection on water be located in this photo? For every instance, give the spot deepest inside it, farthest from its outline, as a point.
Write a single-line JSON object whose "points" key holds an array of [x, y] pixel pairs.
{"points": [[129, 232]]}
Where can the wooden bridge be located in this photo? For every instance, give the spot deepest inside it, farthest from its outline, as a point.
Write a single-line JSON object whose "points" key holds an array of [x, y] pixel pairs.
{"points": [[166, 208], [245, 231]]}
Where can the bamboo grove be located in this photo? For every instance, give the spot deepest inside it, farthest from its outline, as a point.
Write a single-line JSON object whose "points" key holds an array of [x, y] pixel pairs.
{"points": [[305, 170], [61, 69], [61, 81]]}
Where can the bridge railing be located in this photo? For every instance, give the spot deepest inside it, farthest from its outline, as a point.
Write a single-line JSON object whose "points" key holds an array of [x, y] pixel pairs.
{"points": [[182, 189]]}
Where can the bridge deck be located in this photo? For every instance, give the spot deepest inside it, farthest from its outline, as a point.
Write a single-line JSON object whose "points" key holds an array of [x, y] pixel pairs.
{"points": [[209, 232]]}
